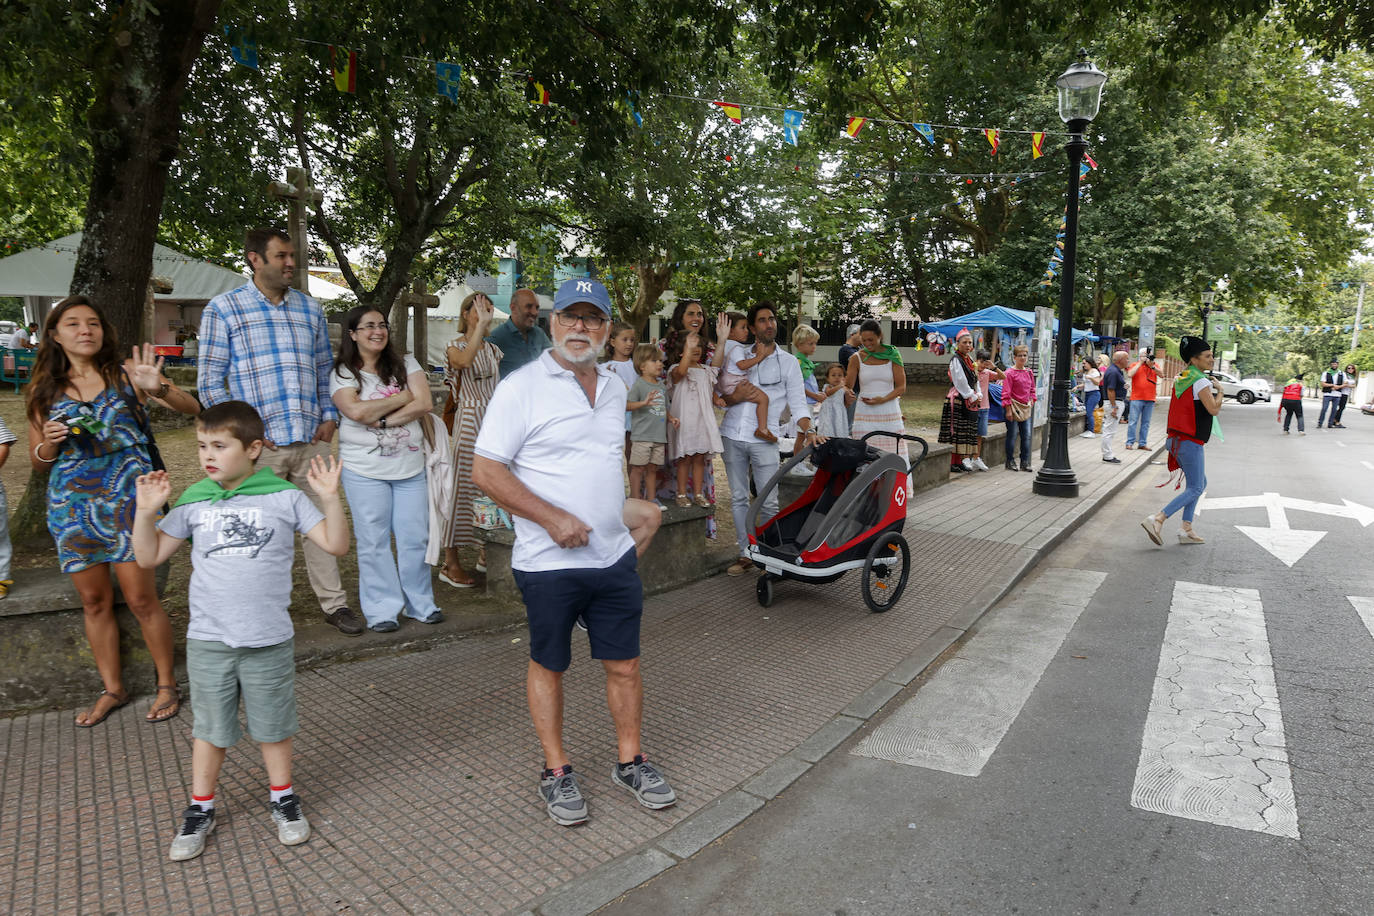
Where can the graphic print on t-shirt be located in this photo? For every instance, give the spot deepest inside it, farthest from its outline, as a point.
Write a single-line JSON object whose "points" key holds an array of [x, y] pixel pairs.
{"points": [[392, 440], [237, 532]]}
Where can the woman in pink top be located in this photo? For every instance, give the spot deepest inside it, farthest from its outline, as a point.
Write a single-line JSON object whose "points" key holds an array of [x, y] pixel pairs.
{"points": [[1018, 394]]}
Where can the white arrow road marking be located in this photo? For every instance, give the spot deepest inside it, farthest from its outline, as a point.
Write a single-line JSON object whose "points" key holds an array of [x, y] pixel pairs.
{"points": [[955, 722], [1284, 543], [1213, 748], [1365, 608], [1362, 514], [1368, 465]]}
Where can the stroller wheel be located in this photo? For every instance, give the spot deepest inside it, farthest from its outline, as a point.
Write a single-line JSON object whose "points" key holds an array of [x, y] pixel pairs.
{"points": [[764, 590], [885, 572]]}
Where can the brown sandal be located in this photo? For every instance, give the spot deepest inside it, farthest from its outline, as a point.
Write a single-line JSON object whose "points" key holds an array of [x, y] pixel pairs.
{"points": [[120, 701], [174, 706]]}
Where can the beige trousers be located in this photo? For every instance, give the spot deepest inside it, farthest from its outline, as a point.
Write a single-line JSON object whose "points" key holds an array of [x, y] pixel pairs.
{"points": [[291, 462]]}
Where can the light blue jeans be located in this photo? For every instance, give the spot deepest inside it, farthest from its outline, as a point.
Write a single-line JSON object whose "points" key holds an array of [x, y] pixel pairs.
{"points": [[1189, 457], [382, 509], [1138, 426], [6, 551], [739, 458]]}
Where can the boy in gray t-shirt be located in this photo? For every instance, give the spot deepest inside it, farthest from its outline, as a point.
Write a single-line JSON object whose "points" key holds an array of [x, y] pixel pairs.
{"points": [[242, 526], [647, 404]]}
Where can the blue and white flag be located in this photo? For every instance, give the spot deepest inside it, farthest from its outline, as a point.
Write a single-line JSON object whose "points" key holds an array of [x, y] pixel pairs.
{"points": [[243, 45], [791, 124], [446, 79], [926, 133]]}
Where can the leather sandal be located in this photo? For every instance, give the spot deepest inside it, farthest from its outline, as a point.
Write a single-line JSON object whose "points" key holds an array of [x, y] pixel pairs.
{"points": [[121, 700], [174, 705]]}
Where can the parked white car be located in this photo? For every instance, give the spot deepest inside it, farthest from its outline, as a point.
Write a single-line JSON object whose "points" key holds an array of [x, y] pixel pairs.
{"points": [[1244, 390]]}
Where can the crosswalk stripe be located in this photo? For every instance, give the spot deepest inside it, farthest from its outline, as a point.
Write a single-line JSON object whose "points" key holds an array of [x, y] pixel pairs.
{"points": [[1365, 608], [955, 722], [1213, 748]]}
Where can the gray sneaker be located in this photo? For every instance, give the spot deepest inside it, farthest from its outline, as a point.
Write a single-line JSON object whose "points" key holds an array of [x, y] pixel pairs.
{"points": [[646, 782], [196, 825], [292, 827], [562, 798]]}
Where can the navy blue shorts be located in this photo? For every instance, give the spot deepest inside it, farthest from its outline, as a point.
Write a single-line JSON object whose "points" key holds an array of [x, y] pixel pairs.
{"points": [[611, 600]]}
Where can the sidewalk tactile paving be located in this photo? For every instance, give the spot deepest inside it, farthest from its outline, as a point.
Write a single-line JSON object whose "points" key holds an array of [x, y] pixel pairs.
{"points": [[418, 770]]}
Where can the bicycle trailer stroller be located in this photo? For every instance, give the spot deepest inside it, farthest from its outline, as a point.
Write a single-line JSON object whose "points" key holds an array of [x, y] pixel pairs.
{"points": [[850, 517]]}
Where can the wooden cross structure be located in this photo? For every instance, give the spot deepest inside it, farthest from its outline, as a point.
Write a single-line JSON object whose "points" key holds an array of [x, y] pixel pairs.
{"points": [[300, 196], [416, 297]]}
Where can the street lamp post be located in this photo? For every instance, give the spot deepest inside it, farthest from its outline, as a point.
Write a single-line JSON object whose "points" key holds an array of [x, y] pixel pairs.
{"points": [[1080, 94], [1209, 296]]}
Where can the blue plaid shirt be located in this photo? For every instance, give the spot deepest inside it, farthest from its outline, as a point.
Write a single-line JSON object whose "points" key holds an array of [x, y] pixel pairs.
{"points": [[275, 357]]}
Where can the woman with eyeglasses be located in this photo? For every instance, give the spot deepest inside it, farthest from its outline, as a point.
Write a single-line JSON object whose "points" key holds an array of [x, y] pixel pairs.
{"points": [[474, 368], [381, 396], [88, 426]]}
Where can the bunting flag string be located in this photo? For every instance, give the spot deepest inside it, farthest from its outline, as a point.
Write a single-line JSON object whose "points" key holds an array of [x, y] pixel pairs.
{"points": [[1057, 253], [1293, 329], [244, 50]]}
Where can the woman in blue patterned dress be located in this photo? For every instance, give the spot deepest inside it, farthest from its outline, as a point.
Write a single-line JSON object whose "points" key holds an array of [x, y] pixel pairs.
{"points": [[83, 427]]}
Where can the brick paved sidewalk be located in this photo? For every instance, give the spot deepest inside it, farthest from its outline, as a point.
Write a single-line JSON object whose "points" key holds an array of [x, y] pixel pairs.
{"points": [[418, 771]]}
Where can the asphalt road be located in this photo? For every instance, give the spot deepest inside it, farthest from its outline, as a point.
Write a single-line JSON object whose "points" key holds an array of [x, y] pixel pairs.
{"points": [[1185, 729]]}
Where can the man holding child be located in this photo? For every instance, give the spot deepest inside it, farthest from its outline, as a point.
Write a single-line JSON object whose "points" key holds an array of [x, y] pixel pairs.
{"points": [[778, 374], [550, 453]]}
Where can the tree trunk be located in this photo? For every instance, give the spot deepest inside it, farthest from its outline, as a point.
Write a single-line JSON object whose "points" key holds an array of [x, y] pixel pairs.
{"points": [[652, 284], [29, 519], [141, 67]]}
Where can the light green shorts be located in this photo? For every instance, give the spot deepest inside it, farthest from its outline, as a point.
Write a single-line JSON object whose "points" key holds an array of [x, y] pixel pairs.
{"points": [[265, 678]]}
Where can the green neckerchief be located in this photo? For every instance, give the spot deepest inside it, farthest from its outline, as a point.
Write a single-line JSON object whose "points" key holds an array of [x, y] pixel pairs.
{"points": [[808, 365], [888, 352], [1187, 380], [264, 480]]}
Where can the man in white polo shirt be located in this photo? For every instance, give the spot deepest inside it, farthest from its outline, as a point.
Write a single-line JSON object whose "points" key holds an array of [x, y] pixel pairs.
{"points": [[779, 375], [550, 453]]}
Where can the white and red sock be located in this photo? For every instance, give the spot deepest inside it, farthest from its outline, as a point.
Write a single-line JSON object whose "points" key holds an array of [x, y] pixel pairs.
{"points": [[205, 803], [280, 792]]}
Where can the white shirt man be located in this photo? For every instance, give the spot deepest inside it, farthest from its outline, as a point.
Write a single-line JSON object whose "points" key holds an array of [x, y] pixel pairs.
{"points": [[779, 376], [22, 338]]}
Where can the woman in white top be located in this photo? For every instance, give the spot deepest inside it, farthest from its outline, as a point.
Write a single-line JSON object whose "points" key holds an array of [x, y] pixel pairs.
{"points": [[381, 397], [1092, 395], [876, 372]]}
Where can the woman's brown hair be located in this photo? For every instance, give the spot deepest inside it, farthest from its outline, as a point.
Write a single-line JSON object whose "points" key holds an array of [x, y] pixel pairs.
{"points": [[52, 368]]}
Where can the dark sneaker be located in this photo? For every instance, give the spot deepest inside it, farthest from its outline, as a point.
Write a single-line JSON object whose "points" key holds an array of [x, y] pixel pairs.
{"points": [[562, 798], [646, 782], [436, 617], [581, 622], [292, 827], [385, 626], [346, 621], [196, 825]]}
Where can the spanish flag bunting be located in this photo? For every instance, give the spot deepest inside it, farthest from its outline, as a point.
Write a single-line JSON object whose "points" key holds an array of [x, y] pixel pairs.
{"points": [[1037, 144], [994, 137], [345, 69], [732, 111], [541, 95], [855, 125]]}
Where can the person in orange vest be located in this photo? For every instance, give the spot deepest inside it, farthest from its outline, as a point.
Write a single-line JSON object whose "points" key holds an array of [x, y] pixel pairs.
{"points": [[1291, 405]]}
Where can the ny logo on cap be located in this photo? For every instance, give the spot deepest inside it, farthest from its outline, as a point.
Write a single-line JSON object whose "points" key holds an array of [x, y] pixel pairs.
{"points": [[584, 286]]}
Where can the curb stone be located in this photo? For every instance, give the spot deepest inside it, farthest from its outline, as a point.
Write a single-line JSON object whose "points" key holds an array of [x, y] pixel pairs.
{"points": [[605, 884]]}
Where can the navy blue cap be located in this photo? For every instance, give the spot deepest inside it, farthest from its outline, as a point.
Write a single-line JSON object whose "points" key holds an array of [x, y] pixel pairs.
{"points": [[582, 290]]}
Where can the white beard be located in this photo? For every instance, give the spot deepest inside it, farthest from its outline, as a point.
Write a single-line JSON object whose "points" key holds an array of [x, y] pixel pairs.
{"points": [[577, 359]]}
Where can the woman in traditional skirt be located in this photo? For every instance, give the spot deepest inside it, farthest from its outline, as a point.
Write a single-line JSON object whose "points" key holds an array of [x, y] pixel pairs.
{"points": [[876, 372], [474, 368], [959, 417]]}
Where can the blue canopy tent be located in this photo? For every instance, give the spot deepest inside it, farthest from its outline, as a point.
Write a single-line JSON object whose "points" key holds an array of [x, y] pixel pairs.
{"points": [[996, 316]]}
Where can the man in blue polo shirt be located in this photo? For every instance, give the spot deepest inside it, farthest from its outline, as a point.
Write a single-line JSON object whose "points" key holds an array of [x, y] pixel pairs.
{"points": [[520, 339], [550, 452]]}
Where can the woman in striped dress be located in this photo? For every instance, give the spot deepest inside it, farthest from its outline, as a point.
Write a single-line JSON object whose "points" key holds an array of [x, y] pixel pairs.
{"points": [[881, 381], [473, 371]]}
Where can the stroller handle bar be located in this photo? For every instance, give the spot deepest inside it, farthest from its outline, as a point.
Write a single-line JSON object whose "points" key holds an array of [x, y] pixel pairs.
{"points": [[756, 505]]}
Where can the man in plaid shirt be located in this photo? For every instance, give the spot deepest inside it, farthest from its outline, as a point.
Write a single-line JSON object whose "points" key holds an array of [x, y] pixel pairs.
{"points": [[268, 344]]}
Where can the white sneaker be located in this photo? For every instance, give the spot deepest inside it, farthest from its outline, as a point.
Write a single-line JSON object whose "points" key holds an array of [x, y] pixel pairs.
{"points": [[978, 463], [1088, 436], [292, 827], [968, 465]]}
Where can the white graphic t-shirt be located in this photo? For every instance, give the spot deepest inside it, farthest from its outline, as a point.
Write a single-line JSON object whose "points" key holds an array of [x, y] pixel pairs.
{"points": [[241, 554], [394, 453]]}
